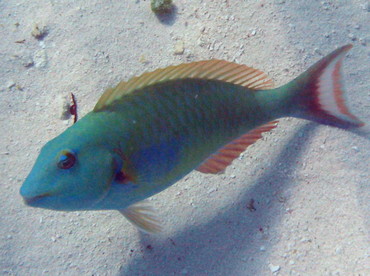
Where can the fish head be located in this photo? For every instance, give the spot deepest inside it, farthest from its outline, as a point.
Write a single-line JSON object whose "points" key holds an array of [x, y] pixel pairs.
{"points": [[70, 174]]}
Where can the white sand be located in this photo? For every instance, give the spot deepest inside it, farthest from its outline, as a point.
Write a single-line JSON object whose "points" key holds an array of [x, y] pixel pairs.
{"points": [[310, 183]]}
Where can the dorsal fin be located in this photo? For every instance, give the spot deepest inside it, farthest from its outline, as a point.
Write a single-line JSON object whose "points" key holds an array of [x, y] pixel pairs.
{"points": [[218, 161], [209, 70]]}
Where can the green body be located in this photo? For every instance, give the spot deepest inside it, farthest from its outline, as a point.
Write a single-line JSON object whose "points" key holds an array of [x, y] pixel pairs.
{"points": [[166, 133]]}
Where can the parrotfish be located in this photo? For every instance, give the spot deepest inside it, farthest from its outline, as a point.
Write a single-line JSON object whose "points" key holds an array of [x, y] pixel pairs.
{"points": [[147, 133]]}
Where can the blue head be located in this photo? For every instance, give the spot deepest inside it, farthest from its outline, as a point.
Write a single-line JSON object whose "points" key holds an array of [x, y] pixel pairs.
{"points": [[74, 171]]}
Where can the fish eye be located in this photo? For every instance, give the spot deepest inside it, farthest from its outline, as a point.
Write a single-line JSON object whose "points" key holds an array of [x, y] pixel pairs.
{"points": [[66, 160]]}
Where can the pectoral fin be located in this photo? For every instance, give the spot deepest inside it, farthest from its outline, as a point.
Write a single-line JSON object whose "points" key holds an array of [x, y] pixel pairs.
{"points": [[142, 215], [219, 160]]}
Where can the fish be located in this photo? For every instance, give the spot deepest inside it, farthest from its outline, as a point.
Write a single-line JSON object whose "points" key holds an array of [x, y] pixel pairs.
{"points": [[145, 134]]}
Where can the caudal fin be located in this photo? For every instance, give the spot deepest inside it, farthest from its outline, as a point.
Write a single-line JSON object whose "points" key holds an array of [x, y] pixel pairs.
{"points": [[319, 93]]}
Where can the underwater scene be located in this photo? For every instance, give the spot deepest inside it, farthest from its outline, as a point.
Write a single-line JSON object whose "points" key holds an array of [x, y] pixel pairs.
{"points": [[164, 137]]}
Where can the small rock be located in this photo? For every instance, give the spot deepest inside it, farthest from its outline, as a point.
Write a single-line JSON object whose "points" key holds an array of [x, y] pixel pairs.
{"points": [[274, 268], [363, 41], [161, 6], [179, 47], [305, 240], [18, 87], [42, 44], [325, 5], [142, 59], [366, 6], [352, 36], [10, 84], [262, 248], [318, 51], [212, 190], [27, 62], [250, 205], [40, 59], [39, 31], [339, 250]]}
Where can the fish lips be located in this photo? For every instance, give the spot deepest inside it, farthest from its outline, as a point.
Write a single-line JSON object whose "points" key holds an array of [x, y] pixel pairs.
{"points": [[32, 201]]}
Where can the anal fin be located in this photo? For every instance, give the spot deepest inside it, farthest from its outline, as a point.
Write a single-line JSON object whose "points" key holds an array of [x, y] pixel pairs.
{"points": [[221, 159]]}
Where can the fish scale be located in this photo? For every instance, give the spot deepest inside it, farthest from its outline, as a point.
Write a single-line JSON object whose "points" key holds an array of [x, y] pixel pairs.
{"points": [[203, 124]]}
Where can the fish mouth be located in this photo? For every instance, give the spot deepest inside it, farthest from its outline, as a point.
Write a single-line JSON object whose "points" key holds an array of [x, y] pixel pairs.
{"points": [[31, 200]]}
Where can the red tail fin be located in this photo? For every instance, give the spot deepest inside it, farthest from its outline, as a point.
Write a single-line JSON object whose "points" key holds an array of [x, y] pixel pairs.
{"points": [[320, 96]]}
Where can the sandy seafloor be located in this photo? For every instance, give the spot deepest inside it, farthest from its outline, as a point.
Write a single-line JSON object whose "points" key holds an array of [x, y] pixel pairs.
{"points": [[310, 183]]}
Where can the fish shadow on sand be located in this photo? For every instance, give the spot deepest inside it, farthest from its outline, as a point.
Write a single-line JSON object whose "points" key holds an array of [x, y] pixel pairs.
{"points": [[232, 240]]}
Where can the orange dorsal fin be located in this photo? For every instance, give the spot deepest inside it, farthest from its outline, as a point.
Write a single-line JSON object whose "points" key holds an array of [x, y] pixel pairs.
{"points": [[210, 70], [221, 159]]}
